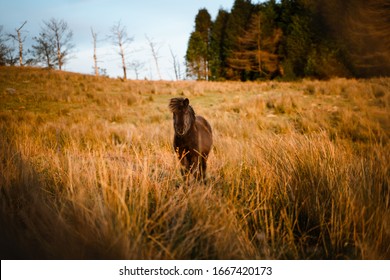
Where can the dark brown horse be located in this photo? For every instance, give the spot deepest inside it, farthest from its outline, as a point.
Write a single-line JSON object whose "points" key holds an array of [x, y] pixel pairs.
{"points": [[193, 138]]}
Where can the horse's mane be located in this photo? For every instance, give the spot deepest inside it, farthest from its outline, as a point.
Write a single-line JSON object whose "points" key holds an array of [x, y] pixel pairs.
{"points": [[178, 104]]}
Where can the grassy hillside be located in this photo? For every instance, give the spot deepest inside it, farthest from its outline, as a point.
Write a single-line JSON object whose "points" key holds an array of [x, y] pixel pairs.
{"points": [[298, 170]]}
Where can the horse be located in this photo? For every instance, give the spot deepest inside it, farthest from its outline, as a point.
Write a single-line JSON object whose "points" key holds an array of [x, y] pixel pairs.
{"points": [[192, 140]]}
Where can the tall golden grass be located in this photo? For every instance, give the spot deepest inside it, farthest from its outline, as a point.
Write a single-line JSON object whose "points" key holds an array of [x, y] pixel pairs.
{"points": [[298, 170]]}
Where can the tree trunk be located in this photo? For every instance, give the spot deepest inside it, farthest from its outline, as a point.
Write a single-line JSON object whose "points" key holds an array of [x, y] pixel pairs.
{"points": [[20, 44], [176, 67], [122, 54], [155, 55], [20, 48], [119, 38], [259, 47], [59, 53], [94, 36]]}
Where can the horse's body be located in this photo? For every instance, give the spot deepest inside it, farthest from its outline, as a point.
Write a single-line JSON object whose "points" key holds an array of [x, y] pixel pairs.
{"points": [[193, 138]]}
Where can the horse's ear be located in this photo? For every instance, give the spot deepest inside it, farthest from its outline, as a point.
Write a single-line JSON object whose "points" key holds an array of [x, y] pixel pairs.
{"points": [[186, 102]]}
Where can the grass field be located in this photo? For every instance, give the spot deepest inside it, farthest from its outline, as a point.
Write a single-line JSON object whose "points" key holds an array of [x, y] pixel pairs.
{"points": [[298, 170]]}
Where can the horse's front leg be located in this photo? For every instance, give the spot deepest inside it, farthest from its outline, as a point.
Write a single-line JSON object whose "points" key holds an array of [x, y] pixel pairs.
{"points": [[193, 164], [186, 167], [190, 166], [203, 167]]}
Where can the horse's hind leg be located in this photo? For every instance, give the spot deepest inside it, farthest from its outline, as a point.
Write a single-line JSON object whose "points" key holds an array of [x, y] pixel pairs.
{"points": [[185, 168]]}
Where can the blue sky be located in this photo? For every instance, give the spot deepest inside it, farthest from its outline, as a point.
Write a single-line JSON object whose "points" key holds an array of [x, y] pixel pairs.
{"points": [[168, 22]]}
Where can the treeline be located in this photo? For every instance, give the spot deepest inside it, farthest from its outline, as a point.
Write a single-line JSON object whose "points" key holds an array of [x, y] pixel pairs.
{"points": [[53, 47], [291, 39]]}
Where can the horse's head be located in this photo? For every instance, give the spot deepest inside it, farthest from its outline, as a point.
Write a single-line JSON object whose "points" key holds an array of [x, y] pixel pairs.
{"points": [[183, 115]]}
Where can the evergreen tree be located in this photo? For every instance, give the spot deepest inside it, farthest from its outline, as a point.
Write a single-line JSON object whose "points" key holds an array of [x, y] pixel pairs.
{"points": [[309, 48], [197, 56], [293, 39], [203, 24], [361, 29], [237, 24], [257, 52], [218, 51], [298, 44]]}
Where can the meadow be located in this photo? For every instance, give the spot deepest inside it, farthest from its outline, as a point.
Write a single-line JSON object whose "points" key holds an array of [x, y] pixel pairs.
{"points": [[299, 170]]}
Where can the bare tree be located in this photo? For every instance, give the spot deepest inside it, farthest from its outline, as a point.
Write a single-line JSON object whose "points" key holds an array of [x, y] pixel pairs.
{"points": [[137, 66], [7, 51], [18, 38], [96, 68], [120, 39], [4, 48], [43, 50], [10, 57], [176, 65], [155, 50], [62, 36]]}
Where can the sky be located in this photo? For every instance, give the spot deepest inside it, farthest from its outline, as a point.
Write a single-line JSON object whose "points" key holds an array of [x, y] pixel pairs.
{"points": [[168, 23]]}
